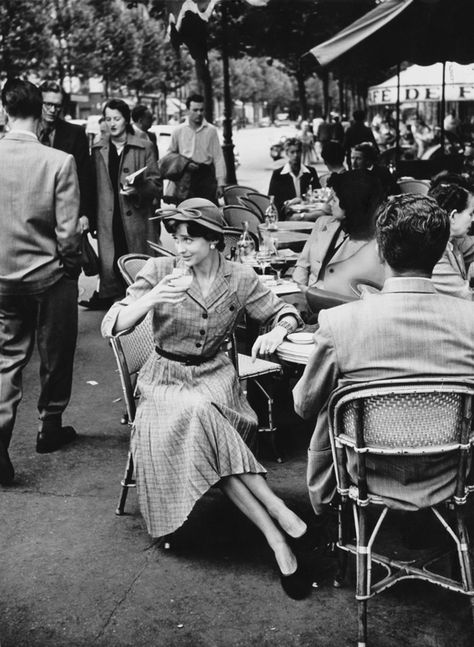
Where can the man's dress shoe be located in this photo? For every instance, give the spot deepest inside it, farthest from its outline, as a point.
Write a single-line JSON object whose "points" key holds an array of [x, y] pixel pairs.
{"points": [[7, 473], [53, 439], [97, 303]]}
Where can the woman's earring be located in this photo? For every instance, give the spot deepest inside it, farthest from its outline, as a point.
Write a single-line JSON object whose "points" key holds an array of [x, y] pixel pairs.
{"points": [[212, 246]]}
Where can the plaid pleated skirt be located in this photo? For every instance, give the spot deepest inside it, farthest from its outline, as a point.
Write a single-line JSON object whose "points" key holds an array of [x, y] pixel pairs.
{"points": [[190, 431]]}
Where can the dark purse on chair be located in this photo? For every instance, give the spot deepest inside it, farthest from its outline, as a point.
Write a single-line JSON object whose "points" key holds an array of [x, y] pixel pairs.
{"points": [[89, 258]]}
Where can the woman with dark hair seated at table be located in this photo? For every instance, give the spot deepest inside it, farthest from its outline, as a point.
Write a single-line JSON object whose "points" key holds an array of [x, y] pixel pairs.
{"points": [[193, 419], [450, 275], [342, 247]]}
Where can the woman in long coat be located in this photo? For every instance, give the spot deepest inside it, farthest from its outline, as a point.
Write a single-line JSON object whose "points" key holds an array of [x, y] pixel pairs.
{"points": [[123, 209], [192, 418]]}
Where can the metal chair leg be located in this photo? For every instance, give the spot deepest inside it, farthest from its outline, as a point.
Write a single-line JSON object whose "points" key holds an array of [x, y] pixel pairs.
{"points": [[127, 482], [270, 428], [362, 578], [342, 539]]}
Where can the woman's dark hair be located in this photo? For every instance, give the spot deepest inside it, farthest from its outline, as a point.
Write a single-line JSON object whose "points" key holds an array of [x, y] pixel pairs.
{"points": [[450, 197], [123, 108], [196, 230], [412, 232], [359, 193]]}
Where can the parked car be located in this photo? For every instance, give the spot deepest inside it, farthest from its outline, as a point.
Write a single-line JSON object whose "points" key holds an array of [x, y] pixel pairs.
{"points": [[282, 119]]}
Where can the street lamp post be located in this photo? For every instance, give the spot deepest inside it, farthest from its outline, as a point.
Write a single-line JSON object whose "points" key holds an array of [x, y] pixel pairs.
{"points": [[228, 145]]}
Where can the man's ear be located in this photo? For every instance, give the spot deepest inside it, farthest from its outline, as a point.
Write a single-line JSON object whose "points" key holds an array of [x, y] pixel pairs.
{"points": [[379, 253], [452, 214]]}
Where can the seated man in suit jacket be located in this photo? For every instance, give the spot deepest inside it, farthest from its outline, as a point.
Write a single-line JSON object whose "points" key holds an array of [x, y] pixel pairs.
{"points": [[289, 184], [72, 139], [407, 330]]}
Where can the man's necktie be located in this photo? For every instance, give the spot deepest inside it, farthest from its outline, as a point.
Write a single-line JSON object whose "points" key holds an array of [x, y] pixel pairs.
{"points": [[44, 137]]}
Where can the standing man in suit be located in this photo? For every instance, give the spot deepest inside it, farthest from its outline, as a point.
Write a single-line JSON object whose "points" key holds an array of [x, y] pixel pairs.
{"points": [[39, 266], [408, 330], [70, 138], [142, 119], [289, 184]]}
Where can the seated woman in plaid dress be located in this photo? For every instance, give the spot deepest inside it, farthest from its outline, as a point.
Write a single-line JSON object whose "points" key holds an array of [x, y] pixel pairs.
{"points": [[192, 418]]}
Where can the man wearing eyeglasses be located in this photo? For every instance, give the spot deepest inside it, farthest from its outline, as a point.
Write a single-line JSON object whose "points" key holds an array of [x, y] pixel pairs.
{"points": [[72, 139]]}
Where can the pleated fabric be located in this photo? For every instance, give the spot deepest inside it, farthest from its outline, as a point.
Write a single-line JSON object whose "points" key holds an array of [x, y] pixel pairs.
{"points": [[190, 431]]}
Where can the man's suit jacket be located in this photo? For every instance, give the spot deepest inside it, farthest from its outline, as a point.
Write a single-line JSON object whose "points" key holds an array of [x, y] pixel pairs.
{"points": [[353, 259], [283, 188], [408, 330], [72, 139], [39, 210]]}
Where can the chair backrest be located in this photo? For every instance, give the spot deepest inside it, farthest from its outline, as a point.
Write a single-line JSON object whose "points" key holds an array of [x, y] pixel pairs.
{"points": [[131, 352], [236, 216], [402, 417], [232, 193], [160, 250], [411, 185], [130, 264], [260, 200], [251, 206]]}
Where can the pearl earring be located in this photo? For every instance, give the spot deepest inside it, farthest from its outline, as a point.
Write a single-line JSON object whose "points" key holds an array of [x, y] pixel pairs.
{"points": [[212, 246]]}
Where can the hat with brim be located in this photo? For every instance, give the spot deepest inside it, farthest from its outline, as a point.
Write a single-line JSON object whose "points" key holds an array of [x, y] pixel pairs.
{"points": [[199, 210]]}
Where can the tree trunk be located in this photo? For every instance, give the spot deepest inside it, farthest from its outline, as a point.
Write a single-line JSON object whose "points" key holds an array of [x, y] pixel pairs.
{"points": [[302, 92], [205, 85]]}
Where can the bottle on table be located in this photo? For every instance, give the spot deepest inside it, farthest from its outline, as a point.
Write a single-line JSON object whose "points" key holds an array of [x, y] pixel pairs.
{"points": [[271, 215], [246, 246]]}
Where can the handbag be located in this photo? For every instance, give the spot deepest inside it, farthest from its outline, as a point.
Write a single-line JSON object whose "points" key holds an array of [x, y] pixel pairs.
{"points": [[89, 258]]}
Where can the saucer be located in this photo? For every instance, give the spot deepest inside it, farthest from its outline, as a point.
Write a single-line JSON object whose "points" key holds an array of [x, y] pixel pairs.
{"points": [[300, 337]]}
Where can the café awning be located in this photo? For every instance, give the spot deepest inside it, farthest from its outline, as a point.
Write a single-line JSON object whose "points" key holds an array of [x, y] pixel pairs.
{"points": [[418, 31], [424, 83]]}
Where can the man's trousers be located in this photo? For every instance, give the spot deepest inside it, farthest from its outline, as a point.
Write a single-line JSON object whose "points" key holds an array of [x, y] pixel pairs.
{"points": [[52, 315]]}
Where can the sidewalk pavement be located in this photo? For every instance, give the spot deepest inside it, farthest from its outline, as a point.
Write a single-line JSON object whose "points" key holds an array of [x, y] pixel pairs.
{"points": [[72, 574]]}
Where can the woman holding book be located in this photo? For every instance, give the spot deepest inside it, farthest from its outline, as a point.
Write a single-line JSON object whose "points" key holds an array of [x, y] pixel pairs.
{"points": [[127, 183]]}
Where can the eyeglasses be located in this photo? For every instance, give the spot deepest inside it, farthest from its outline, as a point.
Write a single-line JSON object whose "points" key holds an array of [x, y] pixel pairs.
{"points": [[52, 106]]}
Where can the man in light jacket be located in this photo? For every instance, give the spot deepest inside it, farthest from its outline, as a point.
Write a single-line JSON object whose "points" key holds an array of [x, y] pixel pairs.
{"points": [[39, 266]]}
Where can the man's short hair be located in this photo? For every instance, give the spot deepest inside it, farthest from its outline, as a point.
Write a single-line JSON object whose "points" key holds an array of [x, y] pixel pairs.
{"points": [[368, 150], [359, 115], [196, 98], [332, 153], [293, 141], [412, 232], [22, 99], [138, 112], [51, 86]]}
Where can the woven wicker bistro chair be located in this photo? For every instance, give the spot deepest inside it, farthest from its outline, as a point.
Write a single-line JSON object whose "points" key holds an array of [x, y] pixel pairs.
{"points": [[411, 185], [245, 202], [399, 418], [260, 200], [235, 216], [132, 349], [232, 193]]}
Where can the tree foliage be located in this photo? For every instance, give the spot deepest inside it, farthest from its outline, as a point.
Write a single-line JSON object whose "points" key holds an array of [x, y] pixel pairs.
{"points": [[24, 38]]}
